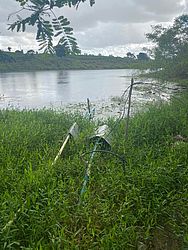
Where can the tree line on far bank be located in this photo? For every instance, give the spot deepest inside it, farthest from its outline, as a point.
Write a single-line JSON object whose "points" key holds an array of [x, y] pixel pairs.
{"points": [[19, 61], [60, 52]]}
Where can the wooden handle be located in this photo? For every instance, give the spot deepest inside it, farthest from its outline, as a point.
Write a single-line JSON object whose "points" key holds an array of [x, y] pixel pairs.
{"points": [[61, 149]]}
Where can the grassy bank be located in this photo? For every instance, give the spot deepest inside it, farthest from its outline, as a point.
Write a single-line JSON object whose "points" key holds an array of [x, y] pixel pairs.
{"points": [[170, 70], [25, 62], [165, 76], [143, 208]]}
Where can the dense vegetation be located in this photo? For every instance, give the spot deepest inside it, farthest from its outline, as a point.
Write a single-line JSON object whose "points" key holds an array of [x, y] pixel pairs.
{"points": [[171, 48], [18, 61], [144, 207]]}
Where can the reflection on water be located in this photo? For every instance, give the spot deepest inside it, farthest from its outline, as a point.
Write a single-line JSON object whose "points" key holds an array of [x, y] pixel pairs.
{"points": [[55, 88], [63, 77]]}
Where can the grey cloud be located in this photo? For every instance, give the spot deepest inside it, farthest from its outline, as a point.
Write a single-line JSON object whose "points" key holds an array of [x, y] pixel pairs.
{"points": [[160, 8], [109, 23], [185, 6], [18, 42], [112, 34], [6, 8], [123, 11]]}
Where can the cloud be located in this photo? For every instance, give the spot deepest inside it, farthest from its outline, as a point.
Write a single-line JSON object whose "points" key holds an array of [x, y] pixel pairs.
{"points": [[19, 42], [161, 8], [112, 34], [120, 50], [119, 23], [109, 25], [123, 11]]}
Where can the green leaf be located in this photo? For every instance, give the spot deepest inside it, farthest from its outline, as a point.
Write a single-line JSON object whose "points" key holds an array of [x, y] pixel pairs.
{"points": [[58, 33], [23, 26], [18, 26], [48, 27]]}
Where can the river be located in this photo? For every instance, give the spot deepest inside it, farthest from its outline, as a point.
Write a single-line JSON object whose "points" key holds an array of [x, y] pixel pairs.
{"points": [[62, 89]]}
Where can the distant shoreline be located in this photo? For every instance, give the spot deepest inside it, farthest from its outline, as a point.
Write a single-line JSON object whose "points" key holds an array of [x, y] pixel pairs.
{"points": [[19, 62]]}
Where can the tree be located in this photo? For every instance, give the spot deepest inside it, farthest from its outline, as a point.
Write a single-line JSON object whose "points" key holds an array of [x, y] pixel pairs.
{"points": [[30, 52], [171, 47], [19, 51], [171, 41], [9, 49], [62, 50], [6, 58], [142, 56], [48, 25], [131, 55]]}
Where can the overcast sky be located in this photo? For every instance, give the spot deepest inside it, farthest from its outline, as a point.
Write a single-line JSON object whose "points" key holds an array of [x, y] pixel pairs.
{"points": [[109, 27]]}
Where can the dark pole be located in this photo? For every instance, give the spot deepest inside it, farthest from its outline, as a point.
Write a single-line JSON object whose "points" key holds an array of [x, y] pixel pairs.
{"points": [[129, 108]]}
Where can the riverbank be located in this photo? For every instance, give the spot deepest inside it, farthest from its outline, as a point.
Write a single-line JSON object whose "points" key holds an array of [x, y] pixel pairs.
{"points": [[19, 62], [144, 207], [166, 76], [145, 93]]}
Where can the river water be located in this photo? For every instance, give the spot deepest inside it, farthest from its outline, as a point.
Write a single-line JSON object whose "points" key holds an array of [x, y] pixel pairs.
{"points": [[54, 88], [65, 89]]}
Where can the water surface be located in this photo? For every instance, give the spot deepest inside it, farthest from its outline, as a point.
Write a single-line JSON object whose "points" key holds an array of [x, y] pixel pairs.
{"points": [[57, 88]]}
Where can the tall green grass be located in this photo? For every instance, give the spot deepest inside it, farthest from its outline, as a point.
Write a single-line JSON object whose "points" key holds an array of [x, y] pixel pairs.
{"points": [[132, 210]]}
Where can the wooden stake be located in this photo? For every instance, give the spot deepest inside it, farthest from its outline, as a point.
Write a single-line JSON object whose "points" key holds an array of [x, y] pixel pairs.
{"points": [[129, 109]]}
